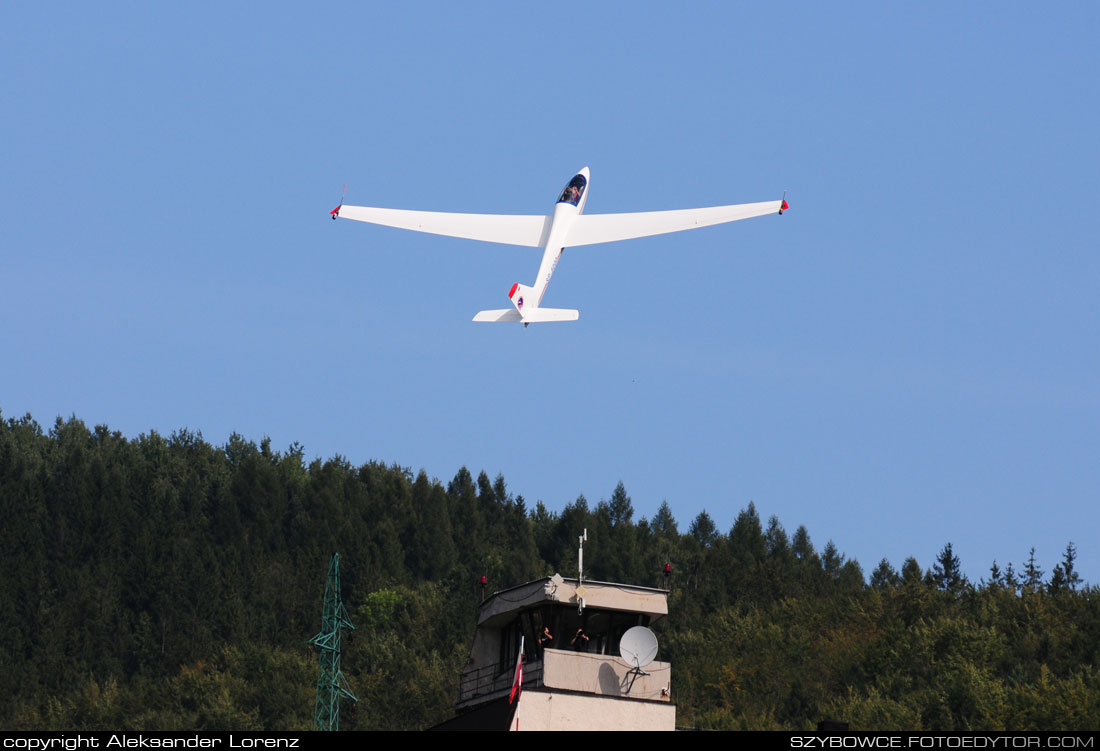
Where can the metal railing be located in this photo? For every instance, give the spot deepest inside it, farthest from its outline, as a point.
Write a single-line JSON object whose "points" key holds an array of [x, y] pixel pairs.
{"points": [[496, 678]]}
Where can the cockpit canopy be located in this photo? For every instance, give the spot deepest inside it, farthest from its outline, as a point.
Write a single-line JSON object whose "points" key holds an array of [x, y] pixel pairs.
{"points": [[574, 190]]}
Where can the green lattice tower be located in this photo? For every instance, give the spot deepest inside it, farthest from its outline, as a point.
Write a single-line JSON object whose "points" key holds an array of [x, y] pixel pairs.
{"points": [[331, 684]]}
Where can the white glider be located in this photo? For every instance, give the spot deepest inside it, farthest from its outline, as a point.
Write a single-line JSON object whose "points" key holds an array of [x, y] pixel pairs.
{"points": [[566, 227]]}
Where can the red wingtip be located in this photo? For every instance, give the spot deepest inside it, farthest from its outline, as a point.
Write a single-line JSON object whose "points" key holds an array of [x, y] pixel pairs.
{"points": [[784, 207], [336, 211]]}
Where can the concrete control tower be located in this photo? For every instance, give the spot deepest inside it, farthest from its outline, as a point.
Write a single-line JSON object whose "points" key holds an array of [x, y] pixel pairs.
{"points": [[574, 677]]}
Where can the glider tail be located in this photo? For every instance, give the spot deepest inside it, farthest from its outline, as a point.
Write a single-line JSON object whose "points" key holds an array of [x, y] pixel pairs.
{"points": [[526, 309]]}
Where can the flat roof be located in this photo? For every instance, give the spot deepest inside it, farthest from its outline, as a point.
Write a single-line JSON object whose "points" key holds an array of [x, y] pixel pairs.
{"points": [[602, 595]]}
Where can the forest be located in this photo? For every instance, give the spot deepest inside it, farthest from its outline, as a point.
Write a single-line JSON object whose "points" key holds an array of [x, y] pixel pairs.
{"points": [[168, 583]]}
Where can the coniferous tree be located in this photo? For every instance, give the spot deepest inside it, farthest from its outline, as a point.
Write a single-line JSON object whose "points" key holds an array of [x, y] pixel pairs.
{"points": [[1072, 577], [947, 572], [432, 549], [1033, 575], [618, 541], [663, 522], [571, 523], [775, 540], [662, 544], [746, 538], [544, 523], [831, 560], [780, 567], [996, 576], [911, 574], [466, 519], [803, 548], [1065, 575], [487, 500], [702, 529], [884, 576], [622, 512]]}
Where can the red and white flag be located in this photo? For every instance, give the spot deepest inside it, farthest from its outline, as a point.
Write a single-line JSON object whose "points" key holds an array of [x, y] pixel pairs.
{"points": [[517, 681]]}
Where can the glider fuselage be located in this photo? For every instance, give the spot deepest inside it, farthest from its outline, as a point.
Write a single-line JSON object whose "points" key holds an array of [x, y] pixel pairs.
{"points": [[570, 205]]}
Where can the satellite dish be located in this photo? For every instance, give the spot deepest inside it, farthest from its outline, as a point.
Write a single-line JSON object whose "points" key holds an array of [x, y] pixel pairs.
{"points": [[638, 647]]}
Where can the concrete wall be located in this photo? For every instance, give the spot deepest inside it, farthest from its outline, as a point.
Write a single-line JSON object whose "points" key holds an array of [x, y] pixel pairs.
{"points": [[604, 675], [540, 710]]}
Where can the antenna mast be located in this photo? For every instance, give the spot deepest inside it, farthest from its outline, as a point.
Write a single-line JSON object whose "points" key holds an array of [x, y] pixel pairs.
{"points": [[581, 591], [580, 556], [331, 683]]}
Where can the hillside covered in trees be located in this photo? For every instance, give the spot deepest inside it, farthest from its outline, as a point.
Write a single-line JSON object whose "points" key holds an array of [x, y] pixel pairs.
{"points": [[168, 583]]}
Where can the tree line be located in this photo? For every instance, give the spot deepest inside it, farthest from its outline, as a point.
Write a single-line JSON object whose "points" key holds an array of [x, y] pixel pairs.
{"points": [[164, 582]]}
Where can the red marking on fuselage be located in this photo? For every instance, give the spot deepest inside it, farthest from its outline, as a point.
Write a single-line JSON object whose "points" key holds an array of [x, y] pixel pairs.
{"points": [[513, 290]]}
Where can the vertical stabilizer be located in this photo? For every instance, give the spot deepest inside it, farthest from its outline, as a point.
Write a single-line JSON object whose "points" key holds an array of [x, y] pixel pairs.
{"points": [[523, 297]]}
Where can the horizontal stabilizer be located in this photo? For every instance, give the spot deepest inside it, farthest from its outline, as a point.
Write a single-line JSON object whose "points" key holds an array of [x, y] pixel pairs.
{"points": [[532, 315], [492, 316]]}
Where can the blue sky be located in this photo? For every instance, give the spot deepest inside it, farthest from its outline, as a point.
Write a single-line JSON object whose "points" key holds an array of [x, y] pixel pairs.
{"points": [[906, 358]]}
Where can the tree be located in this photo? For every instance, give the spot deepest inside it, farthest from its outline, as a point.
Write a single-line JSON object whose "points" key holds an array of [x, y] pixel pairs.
{"points": [[467, 520], [571, 523], [621, 555], [545, 524], [1072, 579], [803, 548], [947, 572], [702, 529], [1064, 575], [884, 576], [1033, 575], [910, 572], [831, 560], [431, 552], [621, 509], [663, 522], [747, 537], [780, 567], [500, 489]]}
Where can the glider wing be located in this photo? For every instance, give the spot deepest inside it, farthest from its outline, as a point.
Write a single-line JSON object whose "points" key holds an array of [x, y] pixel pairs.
{"points": [[509, 229], [590, 229]]}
